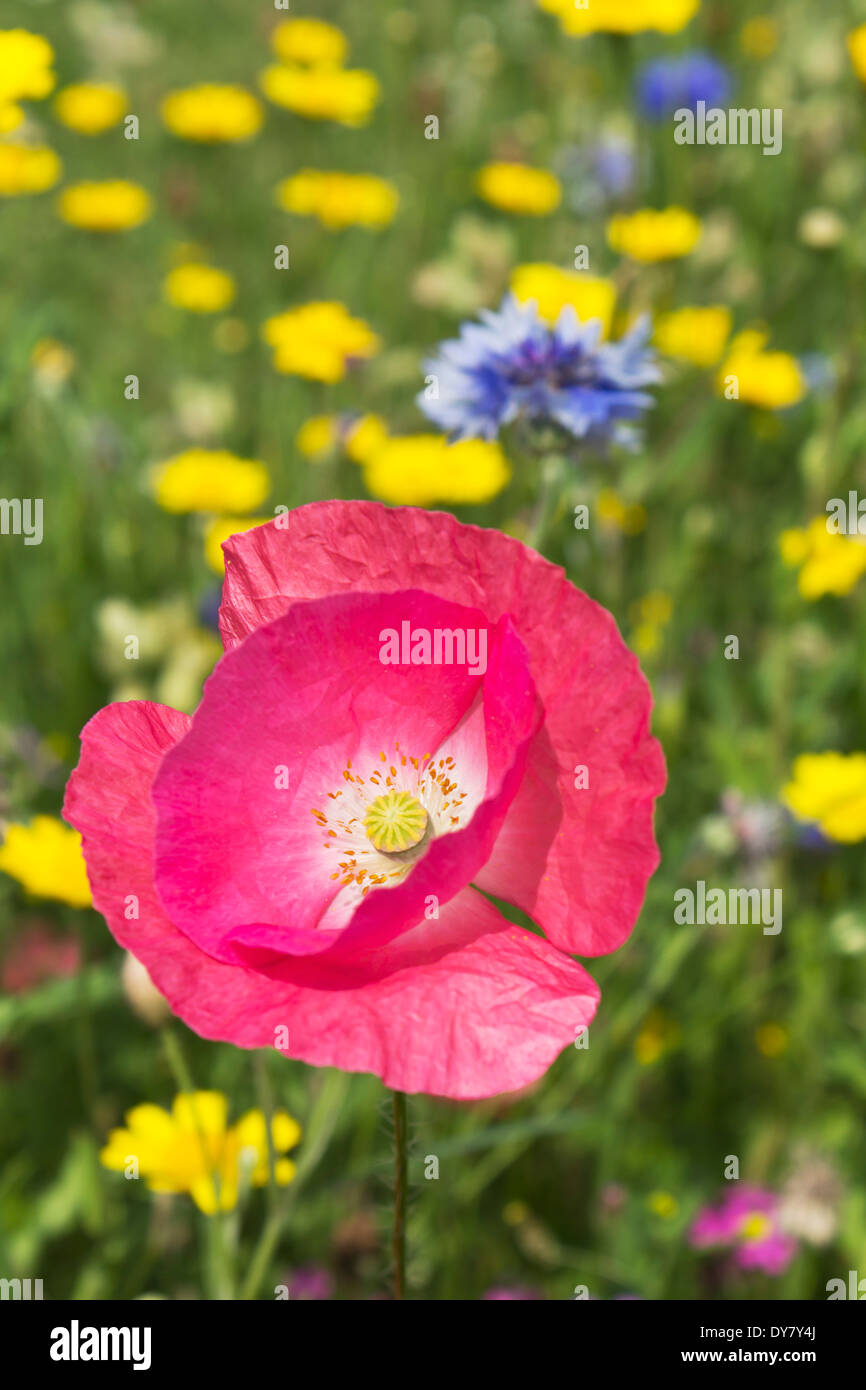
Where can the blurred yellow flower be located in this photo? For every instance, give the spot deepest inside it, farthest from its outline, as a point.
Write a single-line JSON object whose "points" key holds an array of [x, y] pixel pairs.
{"points": [[52, 363], [657, 1036], [200, 288], [663, 1204], [319, 341], [553, 288], [622, 16], [211, 112], [519, 188], [347, 95], [113, 205], [856, 47], [11, 116], [339, 200], [694, 335], [45, 857], [27, 169], [25, 65], [649, 235], [771, 380], [311, 42], [759, 37], [830, 789], [630, 518], [219, 530], [365, 437], [90, 107], [209, 480], [771, 1039], [416, 469], [829, 563], [318, 435], [192, 1149], [650, 614]]}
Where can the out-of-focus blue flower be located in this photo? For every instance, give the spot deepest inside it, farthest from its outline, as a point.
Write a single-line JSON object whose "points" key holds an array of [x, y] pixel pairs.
{"points": [[666, 85], [513, 364], [614, 164], [597, 173]]}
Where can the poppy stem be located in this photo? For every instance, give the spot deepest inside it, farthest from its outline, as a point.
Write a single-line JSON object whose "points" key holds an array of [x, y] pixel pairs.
{"points": [[401, 1163]]}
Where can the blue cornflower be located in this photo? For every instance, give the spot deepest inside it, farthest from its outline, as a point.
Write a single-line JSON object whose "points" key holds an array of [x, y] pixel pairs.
{"points": [[513, 364], [666, 85]]}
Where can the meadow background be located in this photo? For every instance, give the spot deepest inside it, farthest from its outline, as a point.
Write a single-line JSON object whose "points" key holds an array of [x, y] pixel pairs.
{"points": [[709, 1041]]}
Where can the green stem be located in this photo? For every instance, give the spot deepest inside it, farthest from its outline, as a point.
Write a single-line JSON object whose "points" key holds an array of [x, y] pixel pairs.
{"points": [[552, 477], [401, 1164]]}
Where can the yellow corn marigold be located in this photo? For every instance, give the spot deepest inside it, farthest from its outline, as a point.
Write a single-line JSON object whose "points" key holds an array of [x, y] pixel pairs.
{"points": [[209, 480], [829, 563], [339, 200], [830, 790], [694, 335], [212, 112], [310, 42], [552, 289], [518, 188], [25, 65], [202, 289], [27, 169], [346, 95], [415, 470], [193, 1149], [622, 16], [45, 857], [90, 107], [771, 380], [112, 205], [651, 235], [319, 341]]}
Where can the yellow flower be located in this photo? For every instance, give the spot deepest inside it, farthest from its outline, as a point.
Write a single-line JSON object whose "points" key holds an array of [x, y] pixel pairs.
{"points": [[630, 518], [193, 1149], [365, 437], [200, 288], [52, 363], [318, 435], [622, 16], [856, 47], [90, 107], [220, 529], [658, 1034], [414, 470], [339, 200], [649, 235], [771, 380], [663, 1204], [830, 563], [11, 116], [759, 36], [113, 205], [25, 65], [519, 188], [553, 289], [45, 856], [310, 42], [211, 112], [319, 340], [771, 1039], [27, 169], [694, 335], [347, 95], [830, 789], [210, 480]]}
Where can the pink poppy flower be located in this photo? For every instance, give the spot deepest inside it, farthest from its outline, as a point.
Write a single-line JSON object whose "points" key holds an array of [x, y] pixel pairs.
{"points": [[746, 1221], [304, 861]]}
